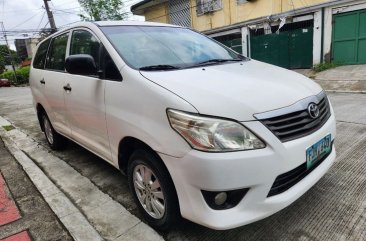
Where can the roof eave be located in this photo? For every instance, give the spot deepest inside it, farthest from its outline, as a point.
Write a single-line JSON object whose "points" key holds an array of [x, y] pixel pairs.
{"points": [[139, 8]]}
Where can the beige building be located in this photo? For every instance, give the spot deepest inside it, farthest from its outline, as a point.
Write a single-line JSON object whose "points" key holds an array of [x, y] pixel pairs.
{"points": [[26, 47], [289, 33]]}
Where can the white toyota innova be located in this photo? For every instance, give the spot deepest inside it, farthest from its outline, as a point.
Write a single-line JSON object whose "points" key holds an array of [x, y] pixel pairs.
{"points": [[200, 131]]}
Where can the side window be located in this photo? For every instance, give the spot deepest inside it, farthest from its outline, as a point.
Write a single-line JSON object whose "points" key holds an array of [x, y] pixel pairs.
{"points": [[57, 53], [40, 57], [108, 67], [83, 42]]}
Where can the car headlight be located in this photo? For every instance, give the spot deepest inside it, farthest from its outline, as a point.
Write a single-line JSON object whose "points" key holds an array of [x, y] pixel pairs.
{"points": [[212, 134]]}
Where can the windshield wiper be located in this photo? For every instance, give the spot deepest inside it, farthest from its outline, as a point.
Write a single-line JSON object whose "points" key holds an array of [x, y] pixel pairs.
{"points": [[159, 67], [214, 61]]}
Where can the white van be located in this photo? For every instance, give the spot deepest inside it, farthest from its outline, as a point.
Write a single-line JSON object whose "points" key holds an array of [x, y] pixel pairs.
{"points": [[200, 131]]}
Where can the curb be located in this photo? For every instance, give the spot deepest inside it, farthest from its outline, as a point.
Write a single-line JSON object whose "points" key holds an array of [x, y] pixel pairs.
{"points": [[347, 91], [86, 212], [73, 220]]}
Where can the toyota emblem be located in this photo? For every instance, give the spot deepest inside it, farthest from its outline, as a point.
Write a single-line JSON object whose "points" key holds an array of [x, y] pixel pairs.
{"points": [[313, 110]]}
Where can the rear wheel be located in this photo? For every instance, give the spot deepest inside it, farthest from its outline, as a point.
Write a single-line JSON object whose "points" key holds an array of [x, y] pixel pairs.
{"points": [[153, 190], [55, 140]]}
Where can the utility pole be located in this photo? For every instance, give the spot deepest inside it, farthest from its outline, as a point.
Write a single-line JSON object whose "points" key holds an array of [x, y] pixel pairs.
{"points": [[10, 56], [50, 16]]}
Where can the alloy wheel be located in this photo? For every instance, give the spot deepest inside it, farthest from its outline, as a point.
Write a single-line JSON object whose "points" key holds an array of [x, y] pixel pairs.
{"points": [[149, 191], [48, 130]]}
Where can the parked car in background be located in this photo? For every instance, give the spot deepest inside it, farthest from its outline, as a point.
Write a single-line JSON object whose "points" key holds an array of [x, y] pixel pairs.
{"points": [[4, 83], [200, 131]]}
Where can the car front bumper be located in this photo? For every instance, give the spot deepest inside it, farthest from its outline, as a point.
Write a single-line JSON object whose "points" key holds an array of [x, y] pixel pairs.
{"points": [[255, 170]]}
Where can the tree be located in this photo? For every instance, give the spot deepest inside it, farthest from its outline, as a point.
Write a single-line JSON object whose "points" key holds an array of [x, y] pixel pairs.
{"points": [[5, 58], [99, 10]]}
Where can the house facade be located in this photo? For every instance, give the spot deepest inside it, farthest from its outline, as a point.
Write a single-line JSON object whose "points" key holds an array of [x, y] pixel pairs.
{"points": [[288, 33]]}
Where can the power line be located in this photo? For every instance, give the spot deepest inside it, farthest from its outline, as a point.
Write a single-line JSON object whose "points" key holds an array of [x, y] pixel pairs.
{"points": [[59, 14], [24, 10], [41, 20], [25, 21], [64, 3]]}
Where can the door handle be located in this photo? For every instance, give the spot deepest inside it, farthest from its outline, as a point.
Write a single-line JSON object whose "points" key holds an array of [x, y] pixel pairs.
{"points": [[67, 87], [42, 82]]}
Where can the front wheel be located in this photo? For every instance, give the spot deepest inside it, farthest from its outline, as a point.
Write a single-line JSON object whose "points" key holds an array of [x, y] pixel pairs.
{"points": [[55, 140], [153, 190]]}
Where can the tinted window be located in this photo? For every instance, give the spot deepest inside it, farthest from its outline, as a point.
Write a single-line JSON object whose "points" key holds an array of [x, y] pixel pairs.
{"points": [[57, 53], [40, 57], [83, 42]]}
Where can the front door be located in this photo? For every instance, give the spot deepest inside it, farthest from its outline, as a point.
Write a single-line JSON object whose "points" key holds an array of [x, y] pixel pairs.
{"points": [[85, 99]]}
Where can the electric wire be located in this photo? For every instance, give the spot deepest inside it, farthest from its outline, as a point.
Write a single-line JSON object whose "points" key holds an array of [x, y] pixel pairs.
{"points": [[24, 21]]}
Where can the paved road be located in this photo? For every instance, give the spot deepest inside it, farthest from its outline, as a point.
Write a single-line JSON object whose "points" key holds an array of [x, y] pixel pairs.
{"points": [[334, 209]]}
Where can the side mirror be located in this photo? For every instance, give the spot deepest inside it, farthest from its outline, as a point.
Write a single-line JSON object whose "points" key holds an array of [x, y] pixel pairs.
{"points": [[81, 64]]}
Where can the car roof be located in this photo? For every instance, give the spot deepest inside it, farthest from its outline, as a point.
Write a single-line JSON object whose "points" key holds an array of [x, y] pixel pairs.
{"points": [[89, 24], [116, 23], [133, 23]]}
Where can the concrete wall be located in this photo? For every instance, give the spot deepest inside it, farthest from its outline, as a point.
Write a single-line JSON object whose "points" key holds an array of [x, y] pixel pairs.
{"points": [[317, 38], [231, 12], [158, 13]]}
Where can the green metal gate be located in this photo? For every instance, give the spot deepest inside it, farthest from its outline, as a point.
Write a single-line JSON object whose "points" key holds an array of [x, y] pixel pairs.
{"points": [[292, 49], [232, 41], [349, 38]]}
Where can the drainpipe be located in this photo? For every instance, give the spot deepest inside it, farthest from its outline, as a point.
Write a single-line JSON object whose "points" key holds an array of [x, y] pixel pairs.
{"points": [[248, 46], [322, 38]]}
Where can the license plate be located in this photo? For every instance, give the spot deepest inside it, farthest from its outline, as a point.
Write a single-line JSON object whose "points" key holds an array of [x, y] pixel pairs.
{"points": [[318, 151]]}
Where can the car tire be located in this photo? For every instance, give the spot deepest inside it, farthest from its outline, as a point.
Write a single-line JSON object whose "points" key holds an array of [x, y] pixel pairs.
{"points": [[155, 193], [54, 140]]}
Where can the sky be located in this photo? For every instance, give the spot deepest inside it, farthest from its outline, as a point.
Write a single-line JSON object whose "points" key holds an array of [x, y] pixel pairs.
{"points": [[19, 16]]}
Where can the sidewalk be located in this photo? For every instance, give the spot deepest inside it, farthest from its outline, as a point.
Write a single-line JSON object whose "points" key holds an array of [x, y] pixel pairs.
{"points": [[347, 78], [24, 214], [82, 209]]}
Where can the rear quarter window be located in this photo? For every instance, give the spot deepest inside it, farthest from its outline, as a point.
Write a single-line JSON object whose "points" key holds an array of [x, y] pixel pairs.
{"points": [[40, 57]]}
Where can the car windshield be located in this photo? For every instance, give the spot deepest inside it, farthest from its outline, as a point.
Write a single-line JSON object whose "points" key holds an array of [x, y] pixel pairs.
{"points": [[154, 48]]}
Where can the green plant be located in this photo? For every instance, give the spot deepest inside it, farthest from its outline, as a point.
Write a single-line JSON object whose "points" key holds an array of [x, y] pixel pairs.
{"points": [[5, 58], [324, 66], [22, 75], [9, 127]]}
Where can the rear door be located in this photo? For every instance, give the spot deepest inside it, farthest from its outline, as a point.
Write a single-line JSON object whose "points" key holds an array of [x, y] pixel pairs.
{"points": [[36, 77], [54, 81], [85, 101]]}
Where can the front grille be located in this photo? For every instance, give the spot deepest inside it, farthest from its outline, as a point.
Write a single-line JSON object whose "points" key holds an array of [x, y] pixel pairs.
{"points": [[287, 180], [298, 124]]}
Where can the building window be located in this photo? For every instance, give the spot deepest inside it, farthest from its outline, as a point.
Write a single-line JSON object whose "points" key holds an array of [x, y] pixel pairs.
{"points": [[207, 6]]}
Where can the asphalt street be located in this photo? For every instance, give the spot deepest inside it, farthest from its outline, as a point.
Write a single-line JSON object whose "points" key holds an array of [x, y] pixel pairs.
{"points": [[334, 209]]}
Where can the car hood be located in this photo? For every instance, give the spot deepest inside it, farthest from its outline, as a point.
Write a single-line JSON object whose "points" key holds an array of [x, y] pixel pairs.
{"points": [[236, 90]]}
